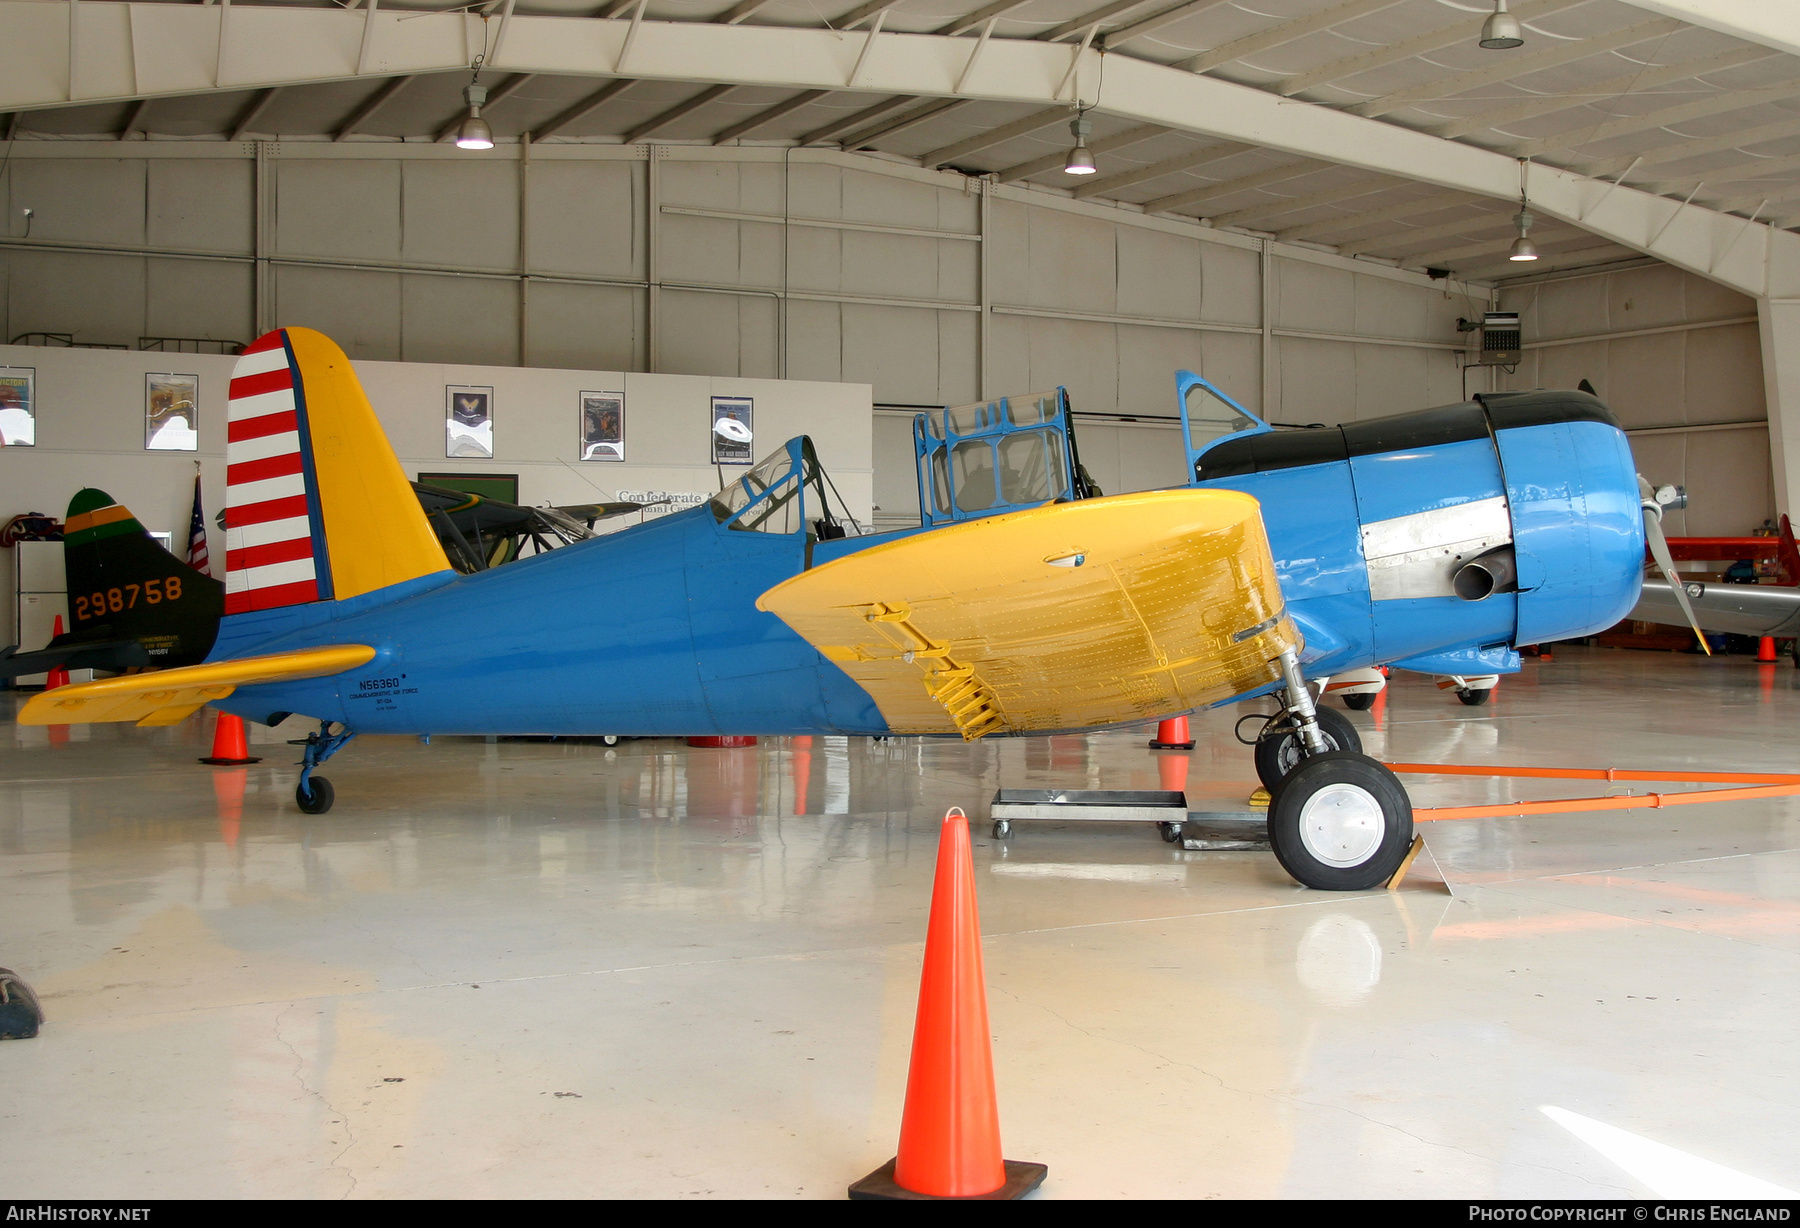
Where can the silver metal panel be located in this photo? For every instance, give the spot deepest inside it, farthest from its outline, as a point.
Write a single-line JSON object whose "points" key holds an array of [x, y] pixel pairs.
{"points": [[1206, 830], [1090, 805], [1417, 555]]}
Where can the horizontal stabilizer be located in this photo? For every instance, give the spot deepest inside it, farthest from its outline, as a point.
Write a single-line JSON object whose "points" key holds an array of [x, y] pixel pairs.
{"points": [[170, 695], [103, 654], [1064, 616]]}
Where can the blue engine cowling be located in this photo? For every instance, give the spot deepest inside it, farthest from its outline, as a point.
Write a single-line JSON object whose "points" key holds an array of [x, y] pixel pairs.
{"points": [[1370, 523]]}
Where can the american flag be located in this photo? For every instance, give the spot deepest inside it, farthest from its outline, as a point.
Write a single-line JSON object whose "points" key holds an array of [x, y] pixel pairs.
{"points": [[197, 556]]}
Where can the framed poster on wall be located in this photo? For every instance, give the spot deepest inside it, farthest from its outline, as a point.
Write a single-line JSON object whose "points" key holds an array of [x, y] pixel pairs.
{"points": [[602, 426], [731, 431], [171, 412], [468, 421], [18, 407]]}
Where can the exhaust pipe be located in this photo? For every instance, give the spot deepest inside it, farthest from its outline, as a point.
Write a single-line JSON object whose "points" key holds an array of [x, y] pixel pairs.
{"points": [[1486, 574]]}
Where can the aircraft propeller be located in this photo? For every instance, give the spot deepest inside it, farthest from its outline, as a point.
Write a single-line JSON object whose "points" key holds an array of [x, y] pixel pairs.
{"points": [[1655, 501]]}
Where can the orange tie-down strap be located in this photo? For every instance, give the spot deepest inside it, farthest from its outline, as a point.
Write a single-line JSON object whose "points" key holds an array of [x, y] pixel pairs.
{"points": [[1762, 784]]}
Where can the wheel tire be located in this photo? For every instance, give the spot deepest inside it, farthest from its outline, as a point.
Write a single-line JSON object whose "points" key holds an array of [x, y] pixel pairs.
{"points": [[610, 739], [1361, 703], [1280, 753], [1002, 829], [320, 799], [1340, 822], [1171, 832], [1474, 698]]}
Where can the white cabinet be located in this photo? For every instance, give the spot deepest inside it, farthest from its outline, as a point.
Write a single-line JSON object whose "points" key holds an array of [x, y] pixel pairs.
{"points": [[38, 581]]}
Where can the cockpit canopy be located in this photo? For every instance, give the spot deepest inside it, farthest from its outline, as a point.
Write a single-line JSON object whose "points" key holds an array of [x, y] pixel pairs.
{"points": [[785, 492], [995, 456]]}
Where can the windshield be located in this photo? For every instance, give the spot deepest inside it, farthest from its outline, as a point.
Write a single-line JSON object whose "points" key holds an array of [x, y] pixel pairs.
{"points": [[1211, 417]]}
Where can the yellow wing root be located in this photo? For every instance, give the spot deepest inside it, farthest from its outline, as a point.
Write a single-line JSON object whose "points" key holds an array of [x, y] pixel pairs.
{"points": [[168, 696], [1060, 617]]}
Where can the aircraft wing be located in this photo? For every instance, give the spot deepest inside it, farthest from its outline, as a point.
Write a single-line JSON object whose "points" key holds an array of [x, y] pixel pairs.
{"points": [[1059, 617], [168, 696], [1741, 609]]}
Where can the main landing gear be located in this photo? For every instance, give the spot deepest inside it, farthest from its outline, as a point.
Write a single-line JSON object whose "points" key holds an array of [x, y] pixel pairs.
{"points": [[314, 794], [1338, 820]]}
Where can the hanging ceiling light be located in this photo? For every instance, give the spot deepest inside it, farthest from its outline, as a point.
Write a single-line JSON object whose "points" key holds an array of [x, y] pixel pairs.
{"points": [[475, 133], [1081, 159], [1501, 30], [1523, 248]]}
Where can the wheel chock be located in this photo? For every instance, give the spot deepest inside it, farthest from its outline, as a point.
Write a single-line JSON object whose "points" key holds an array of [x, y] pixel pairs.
{"points": [[1412, 855]]}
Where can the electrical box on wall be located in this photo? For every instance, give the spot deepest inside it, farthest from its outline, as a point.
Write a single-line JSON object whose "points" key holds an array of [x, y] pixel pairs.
{"points": [[1501, 345]]}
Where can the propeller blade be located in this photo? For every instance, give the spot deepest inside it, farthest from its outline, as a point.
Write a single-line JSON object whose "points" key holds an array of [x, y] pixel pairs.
{"points": [[1659, 550]]}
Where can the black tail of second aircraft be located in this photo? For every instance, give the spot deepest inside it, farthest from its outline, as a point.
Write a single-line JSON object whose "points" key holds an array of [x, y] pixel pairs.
{"points": [[131, 602]]}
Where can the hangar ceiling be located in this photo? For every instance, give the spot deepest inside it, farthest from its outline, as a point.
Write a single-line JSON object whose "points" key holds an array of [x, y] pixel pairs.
{"points": [[1607, 89]]}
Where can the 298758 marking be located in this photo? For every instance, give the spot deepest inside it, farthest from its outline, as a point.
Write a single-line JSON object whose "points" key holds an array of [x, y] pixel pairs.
{"points": [[100, 603]]}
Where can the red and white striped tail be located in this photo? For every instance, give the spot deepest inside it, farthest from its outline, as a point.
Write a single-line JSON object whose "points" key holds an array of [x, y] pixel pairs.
{"points": [[274, 547]]}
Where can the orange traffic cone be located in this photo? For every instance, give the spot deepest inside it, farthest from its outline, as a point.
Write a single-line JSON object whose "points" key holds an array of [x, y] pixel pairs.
{"points": [[802, 771], [1765, 649], [950, 1130], [60, 675], [1172, 734], [229, 748]]}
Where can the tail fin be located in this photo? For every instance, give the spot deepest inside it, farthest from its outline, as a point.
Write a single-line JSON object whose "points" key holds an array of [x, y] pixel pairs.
{"points": [[125, 586], [316, 505]]}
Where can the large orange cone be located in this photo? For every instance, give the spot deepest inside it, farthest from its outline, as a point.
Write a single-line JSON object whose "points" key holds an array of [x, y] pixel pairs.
{"points": [[950, 1130], [1172, 734], [60, 675], [229, 747]]}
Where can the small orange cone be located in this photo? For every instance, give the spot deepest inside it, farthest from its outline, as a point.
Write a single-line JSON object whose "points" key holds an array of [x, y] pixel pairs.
{"points": [[802, 771], [950, 1129], [60, 675], [229, 748], [1172, 734], [1765, 650]]}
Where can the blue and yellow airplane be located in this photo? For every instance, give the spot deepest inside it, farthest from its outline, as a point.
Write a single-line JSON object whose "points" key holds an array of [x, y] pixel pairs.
{"points": [[1024, 603]]}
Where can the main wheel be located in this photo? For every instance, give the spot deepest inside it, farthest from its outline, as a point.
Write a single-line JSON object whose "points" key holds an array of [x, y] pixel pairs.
{"points": [[1475, 698], [609, 739], [1361, 703], [1340, 822], [1279, 753], [319, 800]]}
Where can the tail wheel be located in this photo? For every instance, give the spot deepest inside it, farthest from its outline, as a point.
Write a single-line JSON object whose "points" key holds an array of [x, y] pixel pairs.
{"points": [[1360, 703], [1281, 752], [318, 800], [1475, 698], [1340, 822]]}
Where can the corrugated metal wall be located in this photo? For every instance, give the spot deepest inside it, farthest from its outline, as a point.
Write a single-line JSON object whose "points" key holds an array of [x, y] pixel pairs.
{"points": [[677, 259]]}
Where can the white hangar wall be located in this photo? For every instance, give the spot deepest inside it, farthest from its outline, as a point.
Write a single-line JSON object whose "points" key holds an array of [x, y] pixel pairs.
{"points": [[90, 432], [1678, 358], [680, 259]]}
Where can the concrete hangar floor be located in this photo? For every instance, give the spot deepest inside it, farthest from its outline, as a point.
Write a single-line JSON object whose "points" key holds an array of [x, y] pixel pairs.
{"points": [[546, 969]]}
